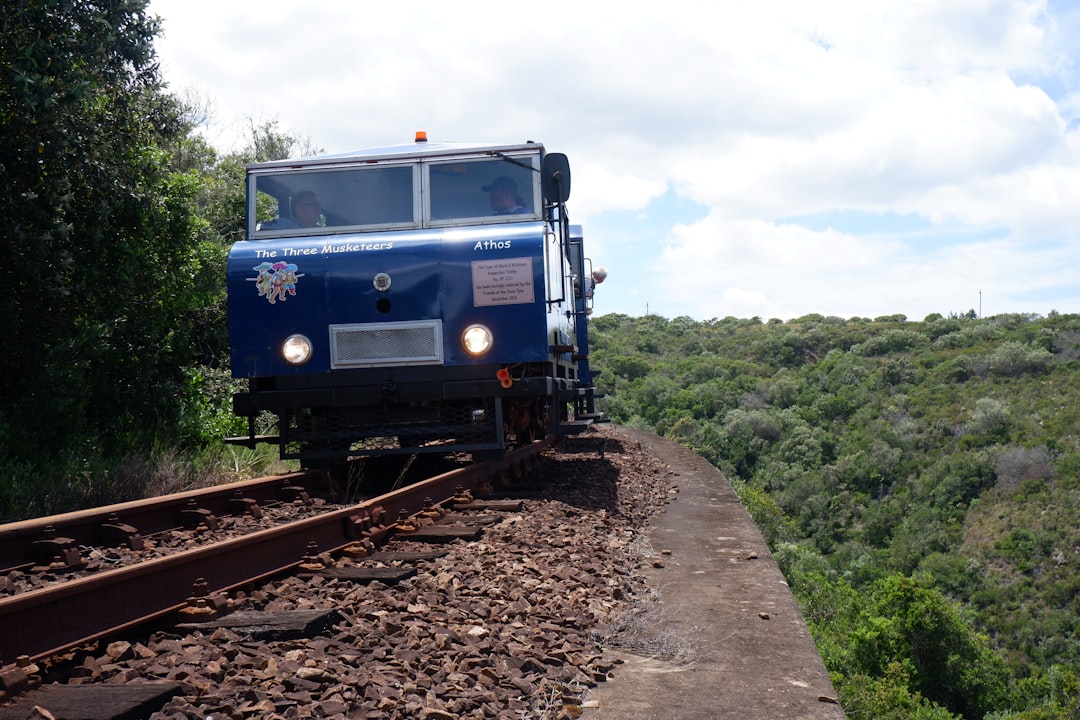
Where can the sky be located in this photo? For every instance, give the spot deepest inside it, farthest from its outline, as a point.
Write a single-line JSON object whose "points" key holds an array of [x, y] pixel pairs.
{"points": [[745, 158]]}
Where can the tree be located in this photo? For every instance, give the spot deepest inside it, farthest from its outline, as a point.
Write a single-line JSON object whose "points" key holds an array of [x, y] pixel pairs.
{"points": [[105, 262], [889, 698], [917, 629]]}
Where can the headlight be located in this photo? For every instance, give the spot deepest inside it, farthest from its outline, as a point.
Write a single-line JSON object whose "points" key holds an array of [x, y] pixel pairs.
{"points": [[476, 339], [296, 349]]}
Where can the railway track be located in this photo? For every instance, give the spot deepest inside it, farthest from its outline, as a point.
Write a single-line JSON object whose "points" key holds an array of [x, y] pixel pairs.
{"points": [[81, 606], [64, 543], [70, 543]]}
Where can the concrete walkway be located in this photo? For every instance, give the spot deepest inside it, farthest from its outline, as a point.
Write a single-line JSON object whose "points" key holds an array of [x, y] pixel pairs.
{"points": [[742, 649]]}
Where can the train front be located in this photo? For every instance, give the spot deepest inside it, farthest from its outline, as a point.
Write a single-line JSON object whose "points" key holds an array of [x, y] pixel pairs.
{"points": [[405, 300]]}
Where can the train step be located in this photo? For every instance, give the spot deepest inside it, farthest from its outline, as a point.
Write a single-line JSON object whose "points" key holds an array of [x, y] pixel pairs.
{"points": [[250, 442], [574, 427]]}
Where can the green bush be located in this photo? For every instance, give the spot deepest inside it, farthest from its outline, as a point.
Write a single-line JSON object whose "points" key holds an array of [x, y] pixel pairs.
{"points": [[1013, 359], [918, 630], [890, 341]]}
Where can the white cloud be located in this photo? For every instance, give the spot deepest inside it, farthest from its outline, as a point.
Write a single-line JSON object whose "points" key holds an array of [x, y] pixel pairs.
{"points": [[723, 266], [746, 268]]}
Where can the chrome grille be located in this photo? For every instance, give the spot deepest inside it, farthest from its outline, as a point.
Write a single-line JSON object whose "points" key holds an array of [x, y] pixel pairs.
{"points": [[374, 344]]}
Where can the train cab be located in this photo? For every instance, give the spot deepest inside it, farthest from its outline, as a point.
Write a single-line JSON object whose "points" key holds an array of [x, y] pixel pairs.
{"points": [[409, 299]]}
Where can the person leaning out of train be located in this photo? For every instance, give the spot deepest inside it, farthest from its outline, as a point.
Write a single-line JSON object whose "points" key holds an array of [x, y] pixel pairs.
{"points": [[599, 275], [503, 193]]}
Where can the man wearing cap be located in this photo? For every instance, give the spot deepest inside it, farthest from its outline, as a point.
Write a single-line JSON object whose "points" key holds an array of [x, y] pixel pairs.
{"points": [[504, 196]]}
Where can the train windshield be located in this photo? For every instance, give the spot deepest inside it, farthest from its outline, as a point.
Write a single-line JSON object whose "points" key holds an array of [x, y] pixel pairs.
{"points": [[401, 195], [479, 191], [306, 201]]}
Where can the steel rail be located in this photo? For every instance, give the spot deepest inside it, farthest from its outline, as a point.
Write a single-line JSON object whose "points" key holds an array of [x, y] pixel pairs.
{"points": [[41, 623], [145, 517]]}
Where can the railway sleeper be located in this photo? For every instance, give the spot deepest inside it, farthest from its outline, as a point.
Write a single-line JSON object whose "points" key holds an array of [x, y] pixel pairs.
{"points": [[95, 701], [266, 626]]}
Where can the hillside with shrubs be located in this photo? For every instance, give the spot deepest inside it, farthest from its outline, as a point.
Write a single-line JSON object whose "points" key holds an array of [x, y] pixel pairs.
{"points": [[916, 481]]}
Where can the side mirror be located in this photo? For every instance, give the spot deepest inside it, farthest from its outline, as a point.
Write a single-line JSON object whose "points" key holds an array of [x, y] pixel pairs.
{"points": [[555, 178]]}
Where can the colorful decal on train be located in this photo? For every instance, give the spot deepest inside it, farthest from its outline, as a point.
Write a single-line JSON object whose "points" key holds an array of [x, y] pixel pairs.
{"points": [[276, 281]]}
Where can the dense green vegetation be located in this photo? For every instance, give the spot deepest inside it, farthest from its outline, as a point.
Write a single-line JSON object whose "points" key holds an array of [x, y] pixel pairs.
{"points": [[917, 482], [117, 216]]}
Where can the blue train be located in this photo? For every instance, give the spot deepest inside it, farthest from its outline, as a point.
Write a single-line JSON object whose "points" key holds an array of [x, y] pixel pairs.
{"points": [[424, 298]]}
